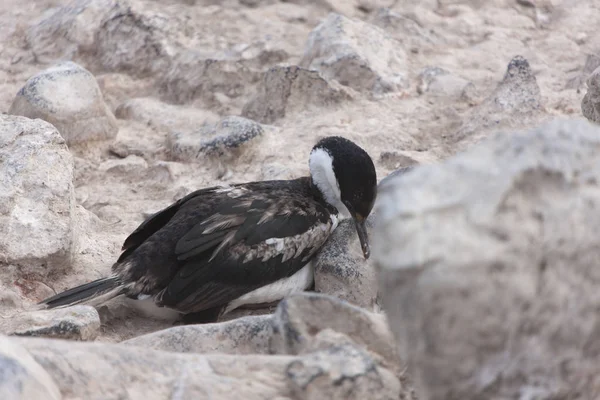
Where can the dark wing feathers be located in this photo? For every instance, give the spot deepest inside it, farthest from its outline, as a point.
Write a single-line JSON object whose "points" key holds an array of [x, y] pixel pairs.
{"points": [[154, 223]]}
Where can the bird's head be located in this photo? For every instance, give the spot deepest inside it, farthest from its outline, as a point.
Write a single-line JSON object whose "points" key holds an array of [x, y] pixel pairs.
{"points": [[345, 175]]}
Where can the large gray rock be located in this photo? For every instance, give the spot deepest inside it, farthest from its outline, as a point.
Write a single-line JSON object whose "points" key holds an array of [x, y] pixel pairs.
{"points": [[342, 271], [590, 104], [246, 335], [487, 266], [36, 196], [21, 377], [288, 89], [75, 323], [67, 95], [108, 371], [356, 54]]}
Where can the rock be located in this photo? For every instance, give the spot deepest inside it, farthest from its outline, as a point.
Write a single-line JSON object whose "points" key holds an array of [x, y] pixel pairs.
{"points": [[245, 335], [300, 318], [391, 178], [68, 31], [516, 102], [67, 95], [406, 28], [194, 75], [224, 140], [76, 323], [116, 371], [592, 62], [136, 41], [288, 89], [163, 116], [36, 197], [590, 104], [356, 54], [342, 271], [485, 266], [21, 377], [440, 83], [131, 164], [395, 160], [128, 142]]}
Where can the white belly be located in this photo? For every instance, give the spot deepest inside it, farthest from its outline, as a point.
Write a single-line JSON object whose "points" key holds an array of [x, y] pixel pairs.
{"points": [[275, 291]]}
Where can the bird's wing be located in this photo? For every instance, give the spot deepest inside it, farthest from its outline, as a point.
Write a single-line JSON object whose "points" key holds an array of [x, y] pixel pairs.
{"points": [[249, 241], [155, 222]]}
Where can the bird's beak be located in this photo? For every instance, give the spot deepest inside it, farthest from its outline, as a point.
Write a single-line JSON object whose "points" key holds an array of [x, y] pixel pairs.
{"points": [[361, 229]]}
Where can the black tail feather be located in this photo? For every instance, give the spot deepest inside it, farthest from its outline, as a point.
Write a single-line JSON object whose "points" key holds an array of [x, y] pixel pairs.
{"points": [[81, 293]]}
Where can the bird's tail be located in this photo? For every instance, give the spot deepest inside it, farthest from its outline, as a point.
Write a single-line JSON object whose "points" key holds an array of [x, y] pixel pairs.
{"points": [[105, 287]]}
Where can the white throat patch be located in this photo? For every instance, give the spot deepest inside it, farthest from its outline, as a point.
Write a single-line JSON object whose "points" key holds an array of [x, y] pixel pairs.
{"points": [[321, 170]]}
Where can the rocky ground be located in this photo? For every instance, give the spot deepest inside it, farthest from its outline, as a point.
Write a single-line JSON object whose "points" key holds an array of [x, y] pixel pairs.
{"points": [[145, 101]]}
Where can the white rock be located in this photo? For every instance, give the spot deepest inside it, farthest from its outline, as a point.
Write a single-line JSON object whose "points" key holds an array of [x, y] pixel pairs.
{"points": [[356, 54], [67, 95], [22, 377], [487, 266], [36, 196]]}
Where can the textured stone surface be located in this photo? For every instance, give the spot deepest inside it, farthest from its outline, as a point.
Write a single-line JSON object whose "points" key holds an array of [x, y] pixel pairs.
{"points": [[21, 377], [164, 116], [67, 95], [487, 266], [224, 141], [439, 82], [195, 75], [290, 89], [36, 196], [590, 105], [302, 322], [67, 31], [104, 371], [515, 102], [342, 271], [76, 323], [136, 40], [246, 335], [356, 54]]}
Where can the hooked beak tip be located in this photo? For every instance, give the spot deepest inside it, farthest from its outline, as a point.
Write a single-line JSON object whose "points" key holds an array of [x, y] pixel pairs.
{"points": [[361, 230]]}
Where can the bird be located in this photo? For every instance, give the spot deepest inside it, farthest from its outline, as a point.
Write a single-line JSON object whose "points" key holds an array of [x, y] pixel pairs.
{"points": [[239, 245]]}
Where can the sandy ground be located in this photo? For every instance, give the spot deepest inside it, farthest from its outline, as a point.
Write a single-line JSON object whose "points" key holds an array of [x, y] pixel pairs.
{"points": [[472, 39]]}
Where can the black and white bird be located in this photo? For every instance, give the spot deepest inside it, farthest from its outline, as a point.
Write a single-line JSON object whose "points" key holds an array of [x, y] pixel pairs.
{"points": [[220, 248]]}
